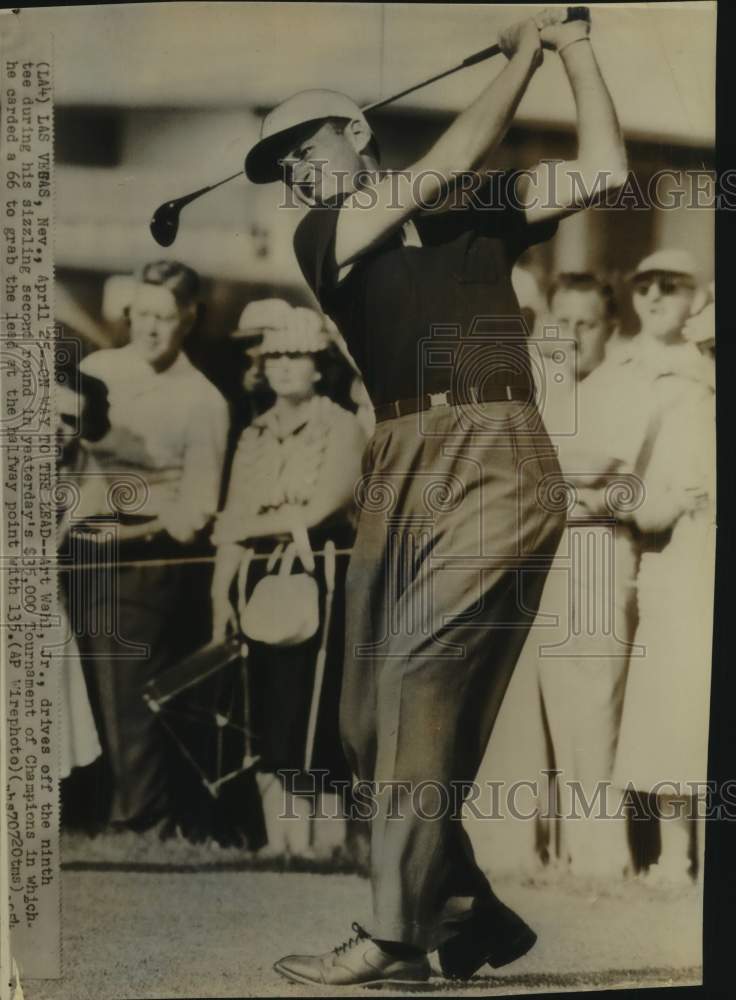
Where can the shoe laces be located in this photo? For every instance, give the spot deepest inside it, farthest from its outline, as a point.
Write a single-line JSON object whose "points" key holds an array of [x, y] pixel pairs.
{"points": [[360, 935]]}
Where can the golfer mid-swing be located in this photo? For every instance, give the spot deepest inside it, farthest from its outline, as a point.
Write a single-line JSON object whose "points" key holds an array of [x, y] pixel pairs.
{"points": [[455, 537]]}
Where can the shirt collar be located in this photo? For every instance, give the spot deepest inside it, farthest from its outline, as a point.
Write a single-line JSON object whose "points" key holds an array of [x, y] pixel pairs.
{"points": [[665, 359], [270, 421], [130, 357], [680, 359]]}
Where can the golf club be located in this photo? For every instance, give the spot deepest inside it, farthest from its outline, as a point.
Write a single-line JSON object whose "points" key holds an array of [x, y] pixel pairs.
{"points": [[165, 222]]}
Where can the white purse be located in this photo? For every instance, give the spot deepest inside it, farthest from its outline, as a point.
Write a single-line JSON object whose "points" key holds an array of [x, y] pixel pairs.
{"points": [[283, 609]]}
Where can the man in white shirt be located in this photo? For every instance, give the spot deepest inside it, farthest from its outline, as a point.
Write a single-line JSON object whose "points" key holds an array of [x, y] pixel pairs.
{"points": [[571, 330], [583, 675], [162, 459]]}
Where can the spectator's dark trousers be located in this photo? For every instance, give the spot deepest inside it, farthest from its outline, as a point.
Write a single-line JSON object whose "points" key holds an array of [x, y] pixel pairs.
{"points": [[135, 625]]}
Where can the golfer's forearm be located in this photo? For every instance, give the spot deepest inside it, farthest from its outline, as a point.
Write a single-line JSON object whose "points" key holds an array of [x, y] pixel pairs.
{"points": [[481, 127], [464, 146], [600, 143]]}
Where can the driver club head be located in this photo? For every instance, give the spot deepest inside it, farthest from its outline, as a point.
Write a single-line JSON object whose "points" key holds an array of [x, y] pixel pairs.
{"points": [[165, 222], [164, 225]]}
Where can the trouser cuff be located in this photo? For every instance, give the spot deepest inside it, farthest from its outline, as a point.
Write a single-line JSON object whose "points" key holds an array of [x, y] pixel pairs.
{"points": [[414, 934]]}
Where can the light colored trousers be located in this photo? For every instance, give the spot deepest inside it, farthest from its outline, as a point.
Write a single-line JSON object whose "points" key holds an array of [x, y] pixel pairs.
{"points": [[583, 665]]}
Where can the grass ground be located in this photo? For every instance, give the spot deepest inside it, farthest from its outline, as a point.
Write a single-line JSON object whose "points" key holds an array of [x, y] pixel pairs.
{"points": [[143, 919]]}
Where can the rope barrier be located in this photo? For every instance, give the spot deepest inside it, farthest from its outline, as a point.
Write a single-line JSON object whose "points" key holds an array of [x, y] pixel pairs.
{"points": [[190, 561]]}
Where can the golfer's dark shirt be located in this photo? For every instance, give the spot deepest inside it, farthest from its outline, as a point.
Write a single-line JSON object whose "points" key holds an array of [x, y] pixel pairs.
{"points": [[425, 319]]}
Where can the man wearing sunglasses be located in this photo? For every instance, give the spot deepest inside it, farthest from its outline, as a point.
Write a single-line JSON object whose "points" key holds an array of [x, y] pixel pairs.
{"points": [[618, 404], [618, 399], [618, 391], [666, 290]]}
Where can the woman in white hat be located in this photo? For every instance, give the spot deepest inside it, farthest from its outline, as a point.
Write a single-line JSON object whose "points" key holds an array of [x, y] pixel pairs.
{"points": [[291, 479]]}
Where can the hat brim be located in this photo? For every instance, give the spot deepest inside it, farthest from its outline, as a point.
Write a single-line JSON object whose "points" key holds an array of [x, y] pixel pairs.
{"points": [[246, 341], [261, 163], [660, 270]]}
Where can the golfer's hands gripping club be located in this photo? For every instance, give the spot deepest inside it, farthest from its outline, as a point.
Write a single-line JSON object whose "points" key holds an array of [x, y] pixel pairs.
{"points": [[552, 28], [522, 38], [557, 31]]}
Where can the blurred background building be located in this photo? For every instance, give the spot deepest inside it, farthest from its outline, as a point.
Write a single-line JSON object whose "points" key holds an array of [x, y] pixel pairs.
{"points": [[155, 101]]}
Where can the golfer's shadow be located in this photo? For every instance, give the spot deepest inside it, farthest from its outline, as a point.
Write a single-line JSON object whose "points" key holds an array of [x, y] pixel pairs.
{"points": [[459, 987], [529, 982]]}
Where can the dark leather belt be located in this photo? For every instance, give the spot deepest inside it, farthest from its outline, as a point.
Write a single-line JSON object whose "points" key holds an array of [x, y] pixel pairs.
{"points": [[488, 394]]}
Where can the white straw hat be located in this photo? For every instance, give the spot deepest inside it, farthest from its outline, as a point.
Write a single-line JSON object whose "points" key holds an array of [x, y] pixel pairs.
{"points": [[262, 315]]}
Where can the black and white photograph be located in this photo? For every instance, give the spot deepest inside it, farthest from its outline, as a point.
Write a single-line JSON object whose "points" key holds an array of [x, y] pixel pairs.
{"points": [[383, 468]]}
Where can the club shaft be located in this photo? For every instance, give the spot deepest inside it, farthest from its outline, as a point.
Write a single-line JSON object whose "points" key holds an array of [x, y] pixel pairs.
{"points": [[573, 14], [186, 198], [492, 51], [223, 181], [470, 61]]}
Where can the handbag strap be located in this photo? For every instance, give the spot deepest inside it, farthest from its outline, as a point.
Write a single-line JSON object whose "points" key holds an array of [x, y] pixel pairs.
{"points": [[274, 557], [330, 565], [303, 546], [287, 560]]}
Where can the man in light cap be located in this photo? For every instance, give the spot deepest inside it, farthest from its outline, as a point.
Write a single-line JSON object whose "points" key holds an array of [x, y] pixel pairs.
{"points": [[418, 703], [667, 289], [619, 404]]}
